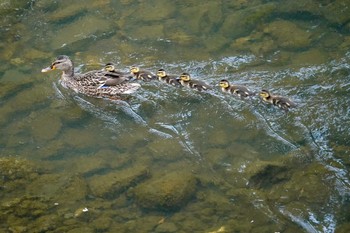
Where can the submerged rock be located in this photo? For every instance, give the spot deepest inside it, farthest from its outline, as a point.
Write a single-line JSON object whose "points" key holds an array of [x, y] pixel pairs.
{"points": [[337, 12], [113, 183], [155, 10], [202, 18], [241, 23], [166, 227], [45, 125], [167, 192], [85, 27], [13, 168], [288, 35], [264, 174]]}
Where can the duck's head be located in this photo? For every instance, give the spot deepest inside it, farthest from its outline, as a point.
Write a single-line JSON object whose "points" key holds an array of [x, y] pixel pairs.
{"points": [[62, 62], [134, 69], [264, 93], [224, 83], [185, 77], [109, 67], [161, 73]]}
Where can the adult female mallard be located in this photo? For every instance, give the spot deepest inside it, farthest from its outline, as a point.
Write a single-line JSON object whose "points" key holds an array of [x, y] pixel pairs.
{"points": [[95, 83], [187, 81], [170, 79], [144, 75], [280, 101], [239, 90]]}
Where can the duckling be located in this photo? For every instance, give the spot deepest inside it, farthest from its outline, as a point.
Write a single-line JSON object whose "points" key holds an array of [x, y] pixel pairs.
{"points": [[144, 75], [186, 81], [170, 79], [280, 101], [112, 71], [95, 83], [239, 90]]}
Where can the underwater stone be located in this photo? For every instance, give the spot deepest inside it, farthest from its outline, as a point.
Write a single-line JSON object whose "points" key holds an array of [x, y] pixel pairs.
{"points": [[155, 10], [81, 138], [148, 32], [166, 227], [79, 30], [27, 98], [102, 223], [33, 54], [165, 149], [337, 12], [298, 6], [48, 185], [89, 165], [216, 42], [264, 174], [64, 13], [241, 23], [310, 57], [81, 229], [166, 192], [114, 183], [45, 126], [75, 189], [44, 223], [288, 35], [12, 168], [202, 18], [310, 185]]}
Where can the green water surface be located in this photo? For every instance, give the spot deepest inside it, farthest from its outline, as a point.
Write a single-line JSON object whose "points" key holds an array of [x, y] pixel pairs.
{"points": [[174, 159]]}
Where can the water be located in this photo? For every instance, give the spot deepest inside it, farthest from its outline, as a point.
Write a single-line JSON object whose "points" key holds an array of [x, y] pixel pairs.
{"points": [[256, 168]]}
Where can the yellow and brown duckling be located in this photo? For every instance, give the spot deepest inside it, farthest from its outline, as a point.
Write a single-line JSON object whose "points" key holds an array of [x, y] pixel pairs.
{"points": [[280, 101], [144, 75], [113, 72], [239, 90], [95, 83], [170, 79], [187, 81]]}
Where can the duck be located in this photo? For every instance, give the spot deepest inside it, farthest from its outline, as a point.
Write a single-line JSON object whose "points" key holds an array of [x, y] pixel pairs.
{"points": [[280, 101], [113, 72], [95, 83], [170, 79], [144, 75], [187, 81], [239, 90]]}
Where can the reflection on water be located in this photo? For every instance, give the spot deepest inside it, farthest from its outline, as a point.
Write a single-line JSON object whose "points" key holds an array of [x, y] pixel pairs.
{"points": [[172, 159]]}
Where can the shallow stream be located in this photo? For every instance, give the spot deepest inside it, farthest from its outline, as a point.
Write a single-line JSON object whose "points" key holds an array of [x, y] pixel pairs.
{"points": [[71, 163]]}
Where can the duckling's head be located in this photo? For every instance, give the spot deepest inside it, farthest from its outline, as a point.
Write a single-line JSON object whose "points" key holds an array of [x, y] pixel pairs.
{"points": [[134, 69], [161, 73], [185, 77], [62, 62], [265, 93], [109, 67], [224, 83]]}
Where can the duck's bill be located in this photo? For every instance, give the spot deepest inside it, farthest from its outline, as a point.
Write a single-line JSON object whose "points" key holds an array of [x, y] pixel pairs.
{"points": [[47, 69]]}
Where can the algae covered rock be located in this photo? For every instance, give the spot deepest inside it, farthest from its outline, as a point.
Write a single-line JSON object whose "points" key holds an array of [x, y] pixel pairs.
{"points": [[167, 192], [26, 206], [13, 168]]}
